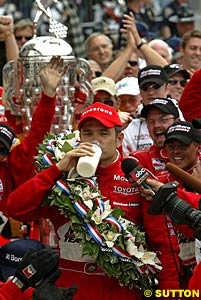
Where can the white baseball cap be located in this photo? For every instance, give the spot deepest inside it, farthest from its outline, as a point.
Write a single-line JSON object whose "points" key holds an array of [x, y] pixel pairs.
{"points": [[127, 86]]}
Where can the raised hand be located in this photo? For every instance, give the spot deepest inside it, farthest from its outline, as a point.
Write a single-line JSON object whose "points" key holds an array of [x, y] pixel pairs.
{"points": [[129, 25], [50, 75], [6, 26]]}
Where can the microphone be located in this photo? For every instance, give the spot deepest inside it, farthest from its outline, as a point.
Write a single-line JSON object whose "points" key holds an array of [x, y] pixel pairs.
{"points": [[186, 178], [135, 173]]}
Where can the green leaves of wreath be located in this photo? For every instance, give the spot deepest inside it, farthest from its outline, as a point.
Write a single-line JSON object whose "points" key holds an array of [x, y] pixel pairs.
{"points": [[116, 244]]}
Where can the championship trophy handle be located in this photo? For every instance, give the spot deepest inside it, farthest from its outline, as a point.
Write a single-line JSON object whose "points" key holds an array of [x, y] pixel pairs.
{"points": [[42, 8]]}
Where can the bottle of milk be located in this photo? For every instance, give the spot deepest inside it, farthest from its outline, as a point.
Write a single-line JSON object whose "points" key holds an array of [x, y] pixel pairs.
{"points": [[87, 165]]}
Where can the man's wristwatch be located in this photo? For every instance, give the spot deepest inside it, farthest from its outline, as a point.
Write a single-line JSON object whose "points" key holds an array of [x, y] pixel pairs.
{"points": [[141, 44], [18, 283]]}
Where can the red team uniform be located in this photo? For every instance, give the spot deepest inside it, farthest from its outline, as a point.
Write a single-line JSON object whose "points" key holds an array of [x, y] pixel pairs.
{"points": [[76, 269]]}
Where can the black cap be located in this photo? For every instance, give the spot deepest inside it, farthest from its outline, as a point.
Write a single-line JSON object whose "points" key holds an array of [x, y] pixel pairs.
{"points": [[6, 136], [152, 73], [184, 132], [166, 105], [174, 69], [11, 254]]}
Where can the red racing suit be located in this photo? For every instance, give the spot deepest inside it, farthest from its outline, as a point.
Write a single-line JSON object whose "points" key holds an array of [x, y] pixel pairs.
{"points": [[190, 101], [160, 231], [9, 291], [82, 271], [18, 166], [194, 283]]}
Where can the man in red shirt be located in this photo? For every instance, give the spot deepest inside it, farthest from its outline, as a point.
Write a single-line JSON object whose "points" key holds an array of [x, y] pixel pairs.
{"points": [[159, 115], [100, 123]]}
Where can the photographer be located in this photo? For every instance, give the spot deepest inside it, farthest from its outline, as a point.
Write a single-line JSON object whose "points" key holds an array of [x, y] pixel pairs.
{"points": [[166, 200]]}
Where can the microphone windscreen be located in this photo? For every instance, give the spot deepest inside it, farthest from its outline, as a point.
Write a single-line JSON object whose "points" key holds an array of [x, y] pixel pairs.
{"points": [[128, 164], [186, 178]]}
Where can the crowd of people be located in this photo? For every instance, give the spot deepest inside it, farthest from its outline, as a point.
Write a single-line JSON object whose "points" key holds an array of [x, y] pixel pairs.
{"points": [[145, 106]]}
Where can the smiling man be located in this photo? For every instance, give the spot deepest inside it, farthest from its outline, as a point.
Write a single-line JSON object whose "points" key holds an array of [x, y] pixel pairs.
{"points": [[99, 47], [178, 78], [191, 50], [153, 83], [159, 115], [183, 145]]}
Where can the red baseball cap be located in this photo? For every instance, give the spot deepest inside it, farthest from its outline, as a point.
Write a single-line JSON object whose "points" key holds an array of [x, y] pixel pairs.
{"points": [[105, 114]]}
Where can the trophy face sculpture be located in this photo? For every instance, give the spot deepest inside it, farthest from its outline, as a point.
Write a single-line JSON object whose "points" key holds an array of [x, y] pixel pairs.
{"points": [[22, 87]]}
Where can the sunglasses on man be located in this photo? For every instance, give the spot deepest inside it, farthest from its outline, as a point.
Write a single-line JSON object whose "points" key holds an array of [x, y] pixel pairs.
{"points": [[175, 81], [20, 37], [147, 87], [98, 73], [105, 101], [133, 63]]}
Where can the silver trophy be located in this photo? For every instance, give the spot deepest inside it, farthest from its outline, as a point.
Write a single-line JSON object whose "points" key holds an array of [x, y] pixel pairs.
{"points": [[22, 87], [22, 82]]}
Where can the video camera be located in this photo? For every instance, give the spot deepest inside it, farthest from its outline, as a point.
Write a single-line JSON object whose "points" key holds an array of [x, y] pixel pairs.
{"points": [[166, 200]]}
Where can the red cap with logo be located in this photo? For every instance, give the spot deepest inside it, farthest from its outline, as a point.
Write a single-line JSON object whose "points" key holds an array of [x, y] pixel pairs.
{"points": [[105, 114]]}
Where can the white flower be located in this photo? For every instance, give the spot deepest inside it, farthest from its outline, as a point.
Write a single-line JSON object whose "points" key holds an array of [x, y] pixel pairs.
{"points": [[58, 153], [77, 134], [110, 237], [74, 140], [107, 206], [61, 142], [98, 217], [96, 194], [131, 247], [147, 257], [89, 204], [86, 195]]}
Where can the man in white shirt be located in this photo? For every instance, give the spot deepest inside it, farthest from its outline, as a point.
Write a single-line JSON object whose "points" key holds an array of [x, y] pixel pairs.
{"points": [[153, 83]]}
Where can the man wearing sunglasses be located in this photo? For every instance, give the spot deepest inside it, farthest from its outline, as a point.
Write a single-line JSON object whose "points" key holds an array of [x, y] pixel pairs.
{"points": [[178, 78], [132, 67], [104, 89], [23, 31], [153, 83]]}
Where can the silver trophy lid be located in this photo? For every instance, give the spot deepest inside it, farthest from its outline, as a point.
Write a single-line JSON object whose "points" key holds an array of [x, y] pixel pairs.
{"points": [[43, 46]]}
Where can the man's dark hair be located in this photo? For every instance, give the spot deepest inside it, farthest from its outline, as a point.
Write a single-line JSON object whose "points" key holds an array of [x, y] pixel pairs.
{"points": [[118, 129]]}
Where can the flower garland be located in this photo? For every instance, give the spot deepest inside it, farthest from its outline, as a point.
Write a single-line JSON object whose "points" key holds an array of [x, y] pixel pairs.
{"points": [[116, 244]]}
